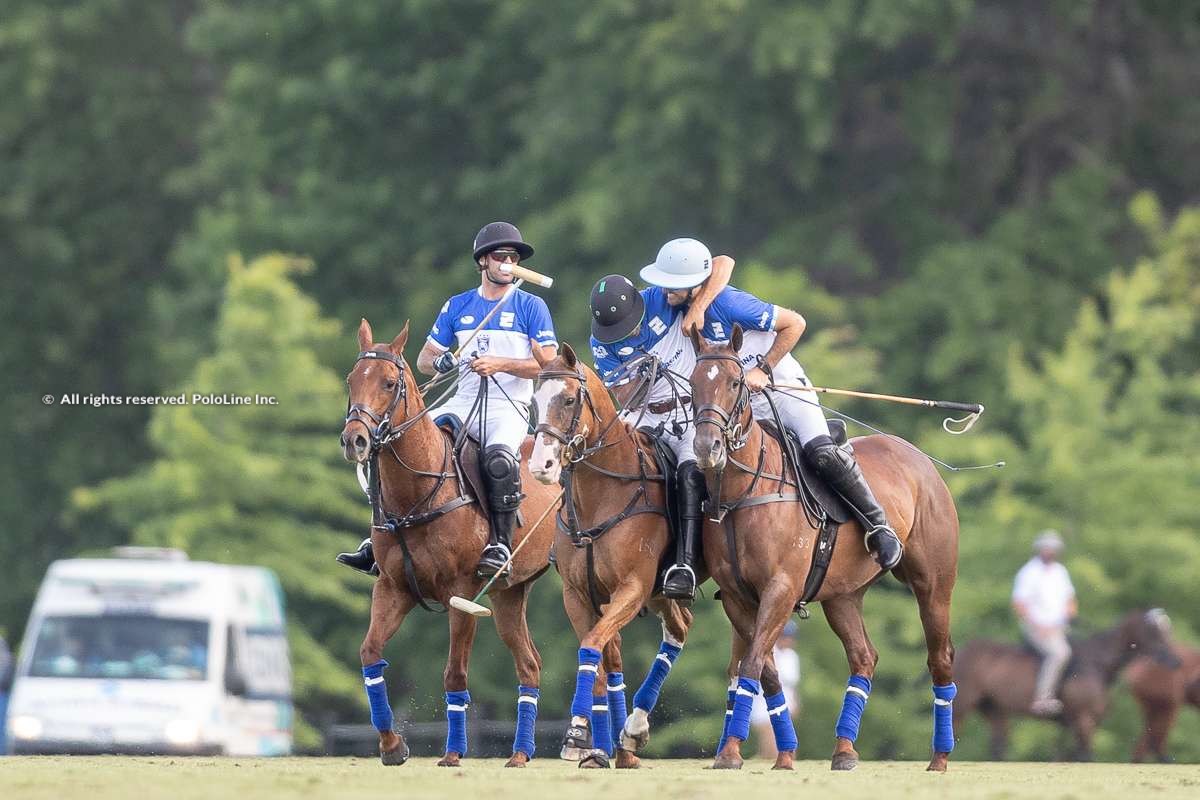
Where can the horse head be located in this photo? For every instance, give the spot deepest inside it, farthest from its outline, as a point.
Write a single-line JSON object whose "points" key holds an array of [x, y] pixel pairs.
{"points": [[720, 400], [383, 393], [566, 416], [1149, 633]]}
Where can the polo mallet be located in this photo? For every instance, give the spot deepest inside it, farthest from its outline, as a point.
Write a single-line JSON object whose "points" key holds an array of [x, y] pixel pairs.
{"points": [[974, 410], [473, 607]]}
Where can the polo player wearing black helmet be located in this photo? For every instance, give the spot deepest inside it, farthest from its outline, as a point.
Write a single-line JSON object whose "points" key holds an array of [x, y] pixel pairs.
{"points": [[505, 356], [628, 325]]}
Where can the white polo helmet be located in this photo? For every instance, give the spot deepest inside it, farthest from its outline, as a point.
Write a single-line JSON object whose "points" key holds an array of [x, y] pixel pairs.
{"points": [[681, 264]]}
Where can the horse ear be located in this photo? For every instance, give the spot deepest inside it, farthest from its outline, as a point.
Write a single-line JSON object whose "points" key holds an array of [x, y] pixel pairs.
{"points": [[697, 341], [365, 337], [568, 354], [735, 338], [400, 340]]}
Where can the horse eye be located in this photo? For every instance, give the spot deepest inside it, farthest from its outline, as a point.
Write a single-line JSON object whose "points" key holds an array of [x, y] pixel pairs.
{"points": [[389, 384], [570, 401]]}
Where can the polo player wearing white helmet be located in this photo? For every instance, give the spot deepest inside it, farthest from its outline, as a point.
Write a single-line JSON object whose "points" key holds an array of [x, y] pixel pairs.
{"points": [[507, 354], [770, 332]]}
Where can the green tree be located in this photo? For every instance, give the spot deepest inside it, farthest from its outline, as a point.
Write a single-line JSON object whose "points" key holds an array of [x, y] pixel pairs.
{"points": [[262, 483]]}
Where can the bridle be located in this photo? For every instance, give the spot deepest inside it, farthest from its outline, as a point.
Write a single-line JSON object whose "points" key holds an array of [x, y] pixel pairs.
{"points": [[573, 440], [729, 423], [380, 426]]}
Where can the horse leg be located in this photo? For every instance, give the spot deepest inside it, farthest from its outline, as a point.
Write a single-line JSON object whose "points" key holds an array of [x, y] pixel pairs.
{"points": [[774, 609], [844, 615], [676, 621], [389, 606], [1084, 726], [737, 651], [454, 681], [617, 709], [782, 729], [998, 721], [510, 608], [930, 574], [1159, 719]]}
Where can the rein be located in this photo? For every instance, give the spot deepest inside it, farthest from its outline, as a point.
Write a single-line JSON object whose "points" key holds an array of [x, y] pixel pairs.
{"points": [[384, 435]]}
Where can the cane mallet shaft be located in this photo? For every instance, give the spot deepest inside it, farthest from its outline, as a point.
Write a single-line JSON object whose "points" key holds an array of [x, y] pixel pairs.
{"points": [[973, 409], [473, 607]]}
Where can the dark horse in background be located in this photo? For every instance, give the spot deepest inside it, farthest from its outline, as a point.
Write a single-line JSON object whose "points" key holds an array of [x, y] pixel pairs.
{"points": [[430, 549], [1161, 692], [761, 559], [997, 678]]}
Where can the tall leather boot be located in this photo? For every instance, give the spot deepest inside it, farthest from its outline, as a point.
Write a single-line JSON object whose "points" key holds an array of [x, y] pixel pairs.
{"points": [[843, 473], [679, 582], [362, 559], [502, 477]]}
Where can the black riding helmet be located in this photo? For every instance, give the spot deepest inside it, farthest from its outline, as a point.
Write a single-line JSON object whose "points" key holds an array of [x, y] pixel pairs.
{"points": [[617, 309], [495, 235]]}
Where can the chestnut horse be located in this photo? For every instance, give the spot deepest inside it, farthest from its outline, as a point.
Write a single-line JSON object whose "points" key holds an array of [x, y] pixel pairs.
{"points": [[440, 533], [1161, 692], [998, 678], [611, 560], [762, 559]]}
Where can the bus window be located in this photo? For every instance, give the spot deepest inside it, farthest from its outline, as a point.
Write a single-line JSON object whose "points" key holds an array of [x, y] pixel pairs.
{"points": [[132, 646]]}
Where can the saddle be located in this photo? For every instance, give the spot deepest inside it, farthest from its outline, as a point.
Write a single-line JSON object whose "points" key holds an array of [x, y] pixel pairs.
{"points": [[467, 455], [815, 489]]}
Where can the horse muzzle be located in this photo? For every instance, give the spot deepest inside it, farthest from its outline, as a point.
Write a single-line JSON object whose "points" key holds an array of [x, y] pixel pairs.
{"points": [[356, 445], [712, 457], [545, 462]]}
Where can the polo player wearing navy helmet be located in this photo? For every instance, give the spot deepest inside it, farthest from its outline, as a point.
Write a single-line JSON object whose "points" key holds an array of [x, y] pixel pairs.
{"points": [[505, 356]]}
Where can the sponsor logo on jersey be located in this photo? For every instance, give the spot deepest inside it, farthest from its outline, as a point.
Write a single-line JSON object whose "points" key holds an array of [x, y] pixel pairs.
{"points": [[657, 325], [718, 330], [507, 318], [625, 351], [485, 342], [599, 351], [544, 334], [467, 320], [762, 321]]}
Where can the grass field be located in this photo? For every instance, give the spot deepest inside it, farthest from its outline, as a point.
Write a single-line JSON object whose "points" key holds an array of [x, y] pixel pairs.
{"points": [[105, 777]]}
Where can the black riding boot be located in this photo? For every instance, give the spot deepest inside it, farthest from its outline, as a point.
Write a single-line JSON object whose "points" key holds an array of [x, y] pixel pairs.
{"points": [[362, 559], [841, 470], [679, 582], [502, 477]]}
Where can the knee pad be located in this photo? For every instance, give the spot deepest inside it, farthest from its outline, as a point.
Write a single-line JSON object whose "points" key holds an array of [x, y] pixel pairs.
{"points": [[499, 463], [824, 454]]}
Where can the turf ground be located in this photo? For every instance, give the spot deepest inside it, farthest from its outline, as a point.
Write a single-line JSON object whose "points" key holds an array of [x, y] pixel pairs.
{"points": [[105, 777]]}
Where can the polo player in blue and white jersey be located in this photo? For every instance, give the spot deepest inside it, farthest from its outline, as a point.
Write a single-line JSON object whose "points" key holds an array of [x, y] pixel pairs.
{"points": [[496, 379], [769, 334], [628, 325]]}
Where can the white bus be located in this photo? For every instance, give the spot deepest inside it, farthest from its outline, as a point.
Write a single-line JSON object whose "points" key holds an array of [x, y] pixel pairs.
{"points": [[148, 652]]}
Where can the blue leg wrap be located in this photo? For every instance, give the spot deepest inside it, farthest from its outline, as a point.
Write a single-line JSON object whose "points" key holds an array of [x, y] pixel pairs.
{"points": [[781, 723], [456, 716], [743, 701], [943, 718], [585, 679], [728, 716], [381, 712], [647, 694], [616, 705], [858, 689], [527, 703], [601, 732]]}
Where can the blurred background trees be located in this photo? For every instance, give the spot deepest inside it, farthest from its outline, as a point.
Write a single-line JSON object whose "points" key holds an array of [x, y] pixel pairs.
{"points": [[987, 201]]}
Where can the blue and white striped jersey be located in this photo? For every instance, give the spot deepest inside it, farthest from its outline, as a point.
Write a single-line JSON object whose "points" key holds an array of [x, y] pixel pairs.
{"points": [[757, 318], [660, 334], [511, 333]]}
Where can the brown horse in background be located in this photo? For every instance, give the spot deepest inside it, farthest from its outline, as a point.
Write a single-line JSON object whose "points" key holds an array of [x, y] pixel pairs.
{"points": [[773, 544], [1161, 692], [418, 481], [618, 497], [998, 678]]}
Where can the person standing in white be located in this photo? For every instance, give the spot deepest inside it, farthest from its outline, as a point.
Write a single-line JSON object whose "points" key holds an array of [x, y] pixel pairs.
{"points": [[495, 383], [1044, 600]]}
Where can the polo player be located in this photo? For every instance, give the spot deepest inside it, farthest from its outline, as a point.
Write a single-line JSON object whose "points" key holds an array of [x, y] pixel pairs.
{"points": [[770, 333], [495, 383], [1043, 598]]}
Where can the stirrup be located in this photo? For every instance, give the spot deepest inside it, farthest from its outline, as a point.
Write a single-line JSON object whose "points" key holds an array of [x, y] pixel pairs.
{"points": [[494, 557], [670, 573], [884, 531]]}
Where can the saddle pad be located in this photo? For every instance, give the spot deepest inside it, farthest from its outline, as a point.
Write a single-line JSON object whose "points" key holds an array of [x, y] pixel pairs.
{"points": [[814, 486]]}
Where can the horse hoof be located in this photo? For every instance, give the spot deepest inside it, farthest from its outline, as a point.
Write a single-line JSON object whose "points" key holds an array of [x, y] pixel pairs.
{"points": [[727, 763], [451, 760], [596, 759], [844, 762], [784, 761], [396, 756], [627, 760], [938, 763], [636, 733], [518, 759]]}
